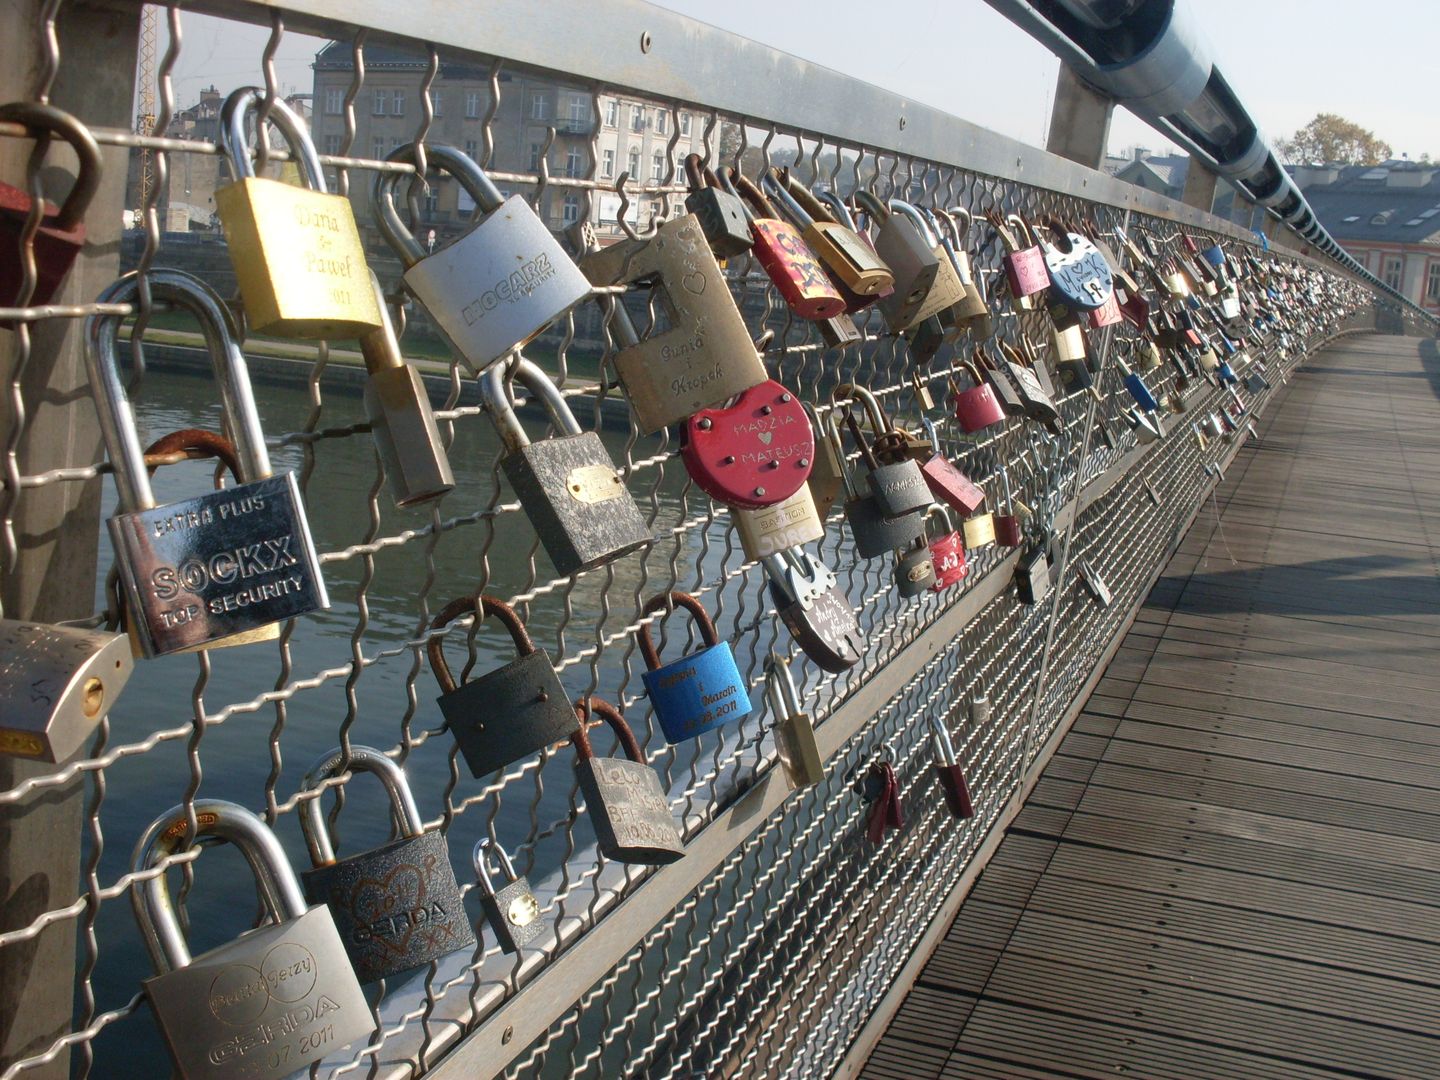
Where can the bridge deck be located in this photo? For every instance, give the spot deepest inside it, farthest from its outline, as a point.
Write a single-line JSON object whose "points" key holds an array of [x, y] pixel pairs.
{"points": [[1230, 866]]}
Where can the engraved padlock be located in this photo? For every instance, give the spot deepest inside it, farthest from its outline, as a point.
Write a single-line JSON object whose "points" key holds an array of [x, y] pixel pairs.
{"points": [[971, 312], [914, 572], [572, 493], [56, 683], [1024, 262], [222, 563], [875, 533], [512, 911], [949, 771], [402, 421], [1080, 278], [795, 743], [852, 265], [265, 1005], [297, 251], [506, 714], [810, 604], [977, 407], [632, 817], [948, 291], [947, 483], [783, 255], [904, 248], [947, 549], [766, 530], [755, 452], [701, 690], [721, 215], [498, 285], [397, 905], [895, 482], [62, 231]]}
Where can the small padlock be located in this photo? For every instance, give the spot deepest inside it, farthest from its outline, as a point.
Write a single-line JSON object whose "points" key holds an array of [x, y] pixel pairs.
{"points": [[297, 251], [497, 286], [401, 419], [1080, 278], [721, 215], [1255, 383], [902, 246], [265, 1005], [506, 714], [398, 905], [1107, 314], [1094, 583], [827, 475], [920, 385], [770, 529], [879, 787], [1134, 307], [914, 572], [972, 312], [701, 690], [781, 253], [755, 452], [512, 911], [222, 563], [1072, 355], [1032, 574], [56, 682], [809, 602], [632, 817], [579, 504], [794, 733], [848, 260], [1137, 388], [980, 707], [979, 530], [949, 771], [947, 483], [1024, 262], [947, 551], [62, 232], [1008, 531], [897, 486], [977, 407]]}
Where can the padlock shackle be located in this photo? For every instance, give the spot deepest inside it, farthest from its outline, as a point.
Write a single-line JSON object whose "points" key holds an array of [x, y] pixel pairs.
{"points": [[668, 602], [772, 186], [225, 821], [234, 144], [917, 218], [196, 444], [478, 857], [112, 405], [808, 202], [956, 215], [867, 201], [361, 759], [483, 607], [879, 422], [612, 716], [780, 688], [380, 347], [48, 118], [946, 515], [695, 173], [940, 740], [445, 158], [742, 186], [838, 210], [497, 394]]}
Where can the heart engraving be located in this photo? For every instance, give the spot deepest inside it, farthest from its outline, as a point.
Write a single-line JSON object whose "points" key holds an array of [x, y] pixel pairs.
{"points": [[402, 890], [765, 436], [694, 282]]}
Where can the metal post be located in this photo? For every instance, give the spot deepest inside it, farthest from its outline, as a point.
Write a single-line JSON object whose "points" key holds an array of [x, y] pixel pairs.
{"points": [[56, 525], [1079, 121], [1199, 187]]}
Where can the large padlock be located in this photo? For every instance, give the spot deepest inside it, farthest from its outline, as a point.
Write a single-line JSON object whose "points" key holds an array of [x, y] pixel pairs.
{"points": [[704, 355], [265, 1005], [701, 690], [721, 215], [898, 487], [876, 533], [570, 489], [782, 254], [1080, 278], [948, 291], [398, 905], [904, 248], [848, 260], [767, 530], [62, 232], [506, 714], [949, 771], [795, 743], [755, 452], [1024, 262], [809, 602], [297, 251], [401, 419], [914, 572], [512, 910], [947, 550], [947, 483], [632, 817], [222, 563], [56, 682], [498, 285], [977, 407]]}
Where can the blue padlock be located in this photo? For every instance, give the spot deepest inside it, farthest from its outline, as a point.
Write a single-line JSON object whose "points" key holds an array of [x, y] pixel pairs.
{"points": [[1227, 373], [1138, 390], [1214, 256], [700, 691]]}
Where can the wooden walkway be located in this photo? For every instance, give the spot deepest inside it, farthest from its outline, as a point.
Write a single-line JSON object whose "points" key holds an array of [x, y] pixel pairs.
{"points": [[1230, 867]]}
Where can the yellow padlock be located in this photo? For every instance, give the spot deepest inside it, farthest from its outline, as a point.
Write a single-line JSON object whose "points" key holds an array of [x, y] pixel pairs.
{"points": [[296, 250]]}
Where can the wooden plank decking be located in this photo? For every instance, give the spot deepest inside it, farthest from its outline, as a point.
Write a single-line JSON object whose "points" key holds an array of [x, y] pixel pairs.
{"points": [[1231, 868]]}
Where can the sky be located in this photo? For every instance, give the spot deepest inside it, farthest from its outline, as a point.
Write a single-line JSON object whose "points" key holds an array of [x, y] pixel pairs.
{"points": [[1375, 64]]}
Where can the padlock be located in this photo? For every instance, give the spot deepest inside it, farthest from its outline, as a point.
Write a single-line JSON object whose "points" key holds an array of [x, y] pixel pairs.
{"points": [[902, 246], [506, 714], [1136, 387], [1023, 263], [1029, 377], [1093, 582], [1008, 531], [632, 817], [222, 563], [1147, 428], [980, 707], [512, 911], [925, 338], [979, 530], [972, 312], [496, 287], [1080, 278], [1151, 492], [297, 251], [879, 787], [781, 253], [754, 452], [1175, 282], [1107, 314], [770, 529], [1150, 357], [720, 214], [827, 475], [809, 602], [62, 232], [920, 385], [265, 1005], [898, 487], [1072, 355], [1255, 383], [1230, 304], [949, 771], [794, 733], [979, 406], [839, 331], [914, 571], [1134, 307], [947, 483], [704, 356], [701, 690], [947, 551], [839, 249], [876, 534], [948, 291], [401, 419], [579, 504], [398, 905], [56, 682], [1032, 574]]}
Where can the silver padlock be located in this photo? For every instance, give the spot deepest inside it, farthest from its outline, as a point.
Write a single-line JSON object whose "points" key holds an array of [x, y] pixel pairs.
{"points": [[980, 705], [56, 682], [223, 563], [794, 731], [265, 1005], [496, 287], [512, 911]]}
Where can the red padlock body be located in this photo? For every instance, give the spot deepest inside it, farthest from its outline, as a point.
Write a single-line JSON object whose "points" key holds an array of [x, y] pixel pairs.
{"points": [[754, 453], [55, 249], [951, 486], [1026, 273], [796, 273], [947, 554], [1007, 529], [1191, 337], [1107, 313], [957, 792], [1135, 309], [978, 408]]}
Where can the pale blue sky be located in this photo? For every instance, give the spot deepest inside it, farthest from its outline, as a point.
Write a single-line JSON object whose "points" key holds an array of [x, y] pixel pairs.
{"points": [[1374, 62]]}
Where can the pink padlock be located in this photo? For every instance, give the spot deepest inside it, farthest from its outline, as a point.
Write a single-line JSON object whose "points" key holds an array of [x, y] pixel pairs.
{"points": [[977, 408], [1024, 261], [1107, 313], [947, 550]]}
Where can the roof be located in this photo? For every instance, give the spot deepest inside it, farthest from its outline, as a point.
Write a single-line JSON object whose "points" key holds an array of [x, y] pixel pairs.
{"points": [[1360, 205], [1165, 172]]}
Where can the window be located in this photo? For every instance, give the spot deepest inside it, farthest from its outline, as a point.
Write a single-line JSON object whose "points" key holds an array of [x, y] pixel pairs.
{"points": [[570, 212], [394, 145], [534, 157], [577, 110], [332, 144], [637, 118], [334, 101], [377, 147], [436, 102], [607, 163], [539, 108], [472, 149], [685, 124], [397, 103], [1432, 282], [1392, 272], [432, 200], [612, 113], [634, 166], [661, 123], [657, 166], [572, 163], [382, 101], [472, 104]]}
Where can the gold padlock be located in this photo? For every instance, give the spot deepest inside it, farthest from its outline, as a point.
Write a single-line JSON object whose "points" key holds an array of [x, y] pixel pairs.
{"points": [[296, 250], [979, 530]]}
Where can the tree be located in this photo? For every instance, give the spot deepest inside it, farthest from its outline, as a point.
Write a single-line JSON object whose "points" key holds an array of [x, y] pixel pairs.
{"points": [[1331, 138]]}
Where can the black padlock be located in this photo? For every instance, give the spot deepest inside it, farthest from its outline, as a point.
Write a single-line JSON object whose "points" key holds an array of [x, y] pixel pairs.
{"points": [[914, 569], [512, 910], [506, 714], [896, 484], [721, 214], [632, 817], [1032, 574]]}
